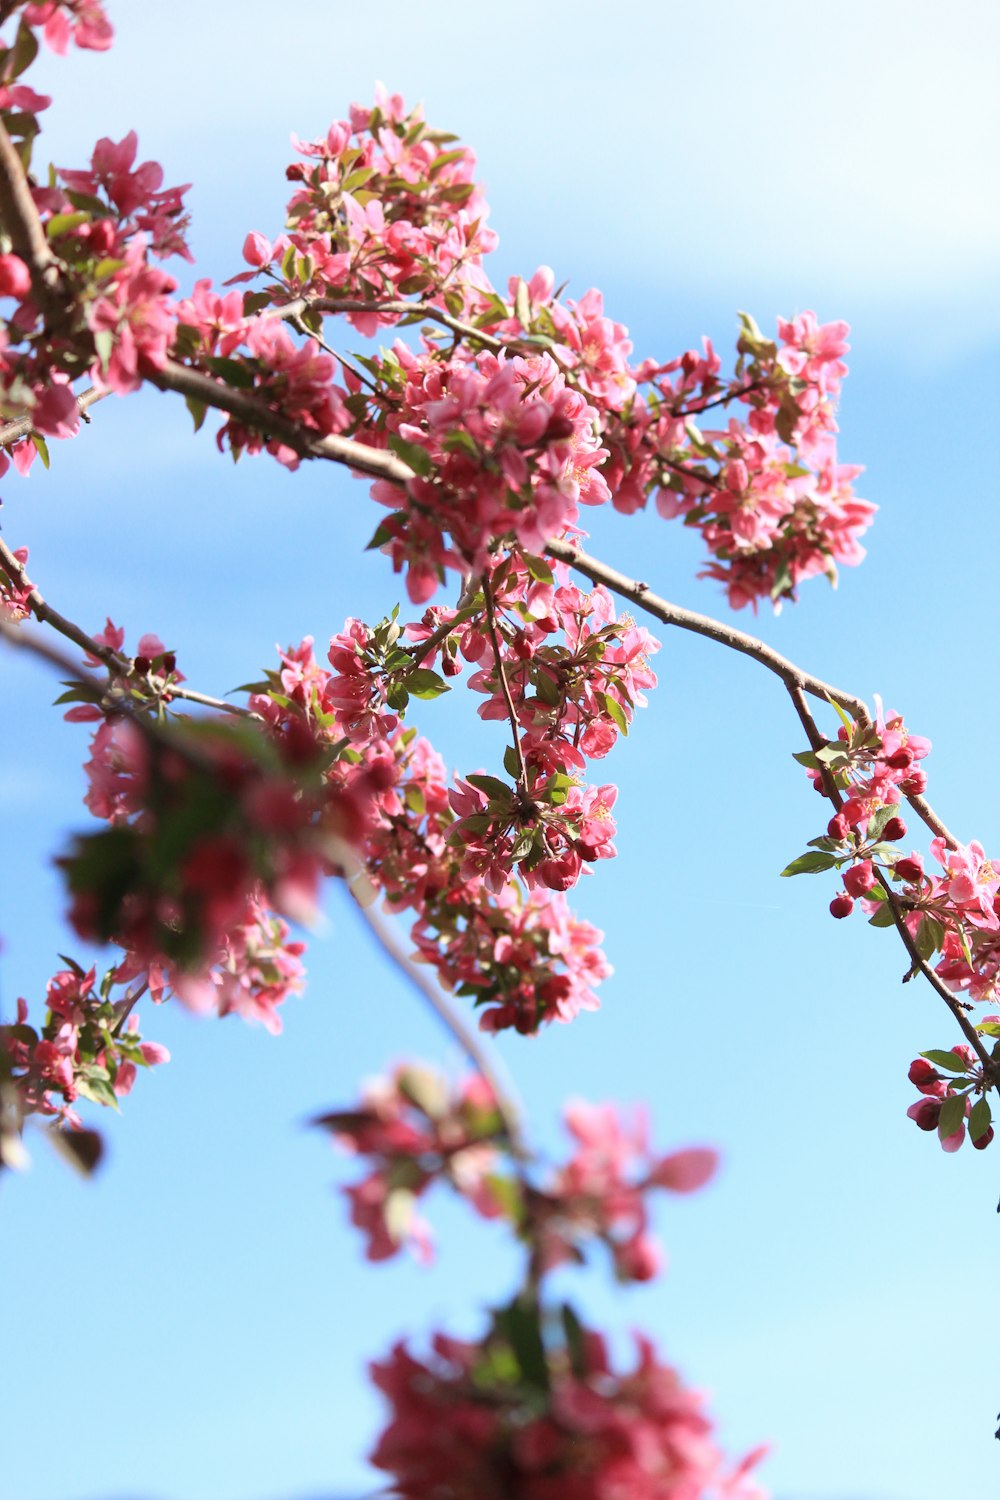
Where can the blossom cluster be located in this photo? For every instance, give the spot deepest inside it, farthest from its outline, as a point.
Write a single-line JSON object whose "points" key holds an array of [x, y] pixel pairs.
{"points": [[415, 1131], [953, 917], [87, 1047], [554, 1420], [954, 1100], [482, 865], [522, 407]]}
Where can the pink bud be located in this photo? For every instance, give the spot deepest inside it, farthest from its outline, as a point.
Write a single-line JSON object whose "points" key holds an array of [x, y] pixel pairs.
{"points": [[860, 878], [910, 868], [841, 906], [257, 250], [894, 829], [15, 278]]}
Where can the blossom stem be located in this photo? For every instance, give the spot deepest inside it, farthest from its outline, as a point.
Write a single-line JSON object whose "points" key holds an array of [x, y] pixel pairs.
{"points": [[117, 664], [10, 432], [508, 1110], [491, 618]]}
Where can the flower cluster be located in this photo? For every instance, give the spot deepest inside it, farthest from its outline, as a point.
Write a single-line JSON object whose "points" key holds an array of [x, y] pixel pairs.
{"points": [[417, 1131], [554, 1420], [81, 21], [867, 771], [88, 1046], [514, 948], [955, 1099]]}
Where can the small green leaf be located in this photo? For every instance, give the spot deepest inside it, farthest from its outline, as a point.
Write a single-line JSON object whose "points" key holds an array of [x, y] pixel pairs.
{"points": [[883, 917], [952, 1115], [495, 789], [412, 454], [42, 448], [930, 935], [198, 410], [810, 864], [980, 1119], [510, 764], [423, 683], [615, 711], [538, 568], [946, 1060]]}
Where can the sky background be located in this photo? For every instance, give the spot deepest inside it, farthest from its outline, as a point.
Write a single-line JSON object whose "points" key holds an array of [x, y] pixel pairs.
{"points": [[194, 1324]]}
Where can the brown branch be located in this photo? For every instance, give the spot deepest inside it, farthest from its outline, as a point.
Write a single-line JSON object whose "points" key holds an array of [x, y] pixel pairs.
{"points": [[291, 310], [117, 664], [252, 409], [21, 426], [714, 630], [22, 222], [386, 938], [816, 741]]}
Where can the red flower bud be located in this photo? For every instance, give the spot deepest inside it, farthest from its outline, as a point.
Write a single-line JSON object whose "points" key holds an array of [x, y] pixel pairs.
{"points": [[141, 665], [982, 1141], [15, 278], [915, 784], [910, 868], [894, 829], [860, 878], [842, 905]]}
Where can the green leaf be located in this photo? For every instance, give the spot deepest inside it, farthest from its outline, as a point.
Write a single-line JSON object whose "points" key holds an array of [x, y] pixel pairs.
{"points": [[510, 764], [952, 1115], [104, 343], [423, 683], [573, 1329], [495, 789], [383, 532], [232, 371], [62, 223], [520, 1326], [946, 1060], [426, 1089], [930, 936], [506, 1193], [806, 758], [980, 1119], [844, 717], [538, 568], [398, 1213], [413, 454], [198, 410], [42, 447], [615, 711], [810, 864], [883, 917]]}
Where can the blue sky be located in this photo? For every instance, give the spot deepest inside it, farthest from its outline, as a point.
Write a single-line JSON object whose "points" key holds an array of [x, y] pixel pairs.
{"points": [[194, 1325]]}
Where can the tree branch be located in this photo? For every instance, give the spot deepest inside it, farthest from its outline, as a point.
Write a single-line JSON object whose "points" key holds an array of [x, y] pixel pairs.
{"points": [[21, 426], [466, 1039], [117, 664]]}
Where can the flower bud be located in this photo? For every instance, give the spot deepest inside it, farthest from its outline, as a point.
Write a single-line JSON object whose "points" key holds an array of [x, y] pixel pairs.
{"points": [[894, 829], [842, 905], [860, 878], [15, 278]]}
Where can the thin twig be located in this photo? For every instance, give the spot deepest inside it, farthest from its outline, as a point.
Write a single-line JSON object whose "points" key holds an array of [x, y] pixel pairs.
{"points": [[509, 1112], [816, 742], [491, 618], [10, 432], [27, 236], [252, 409], [117, 664]]}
